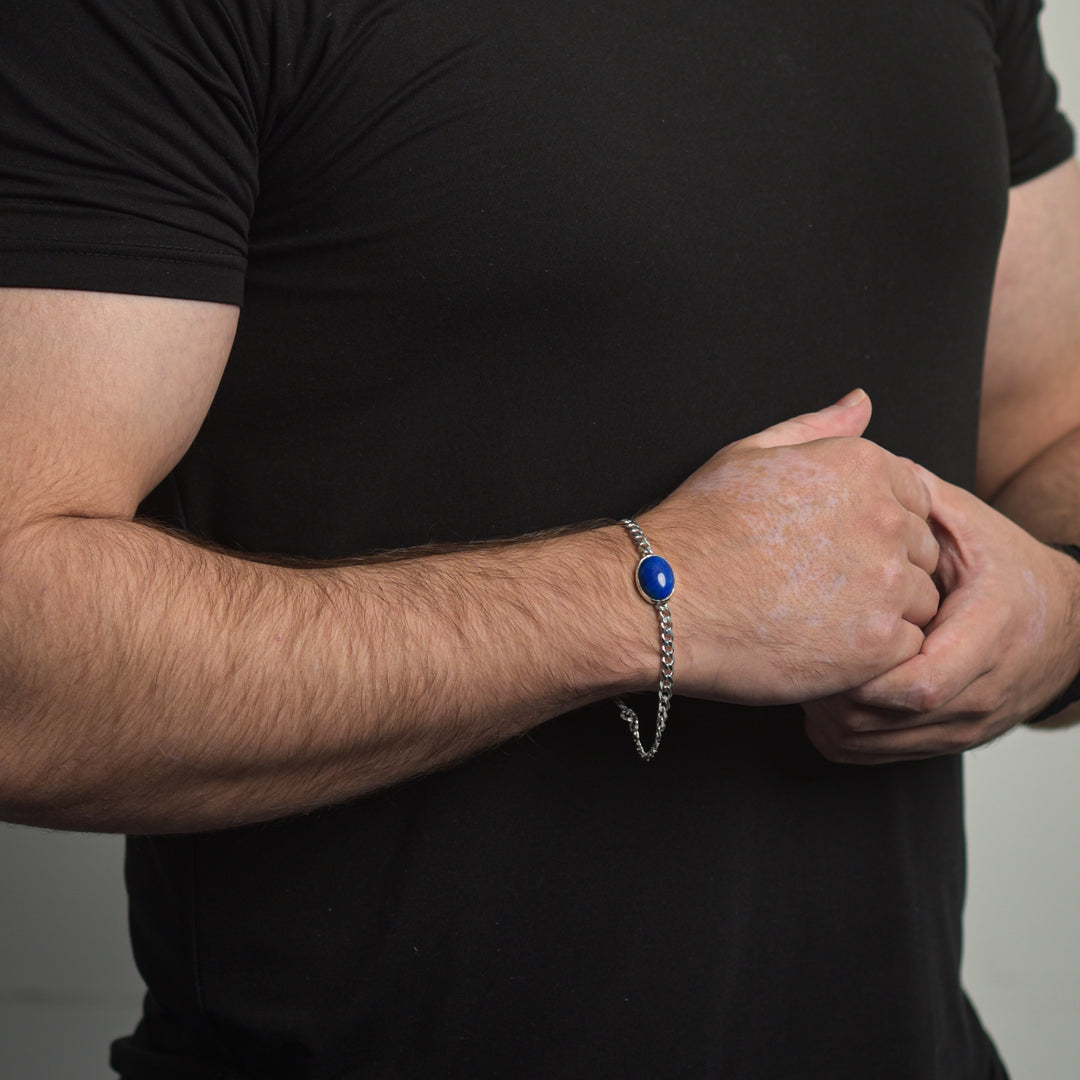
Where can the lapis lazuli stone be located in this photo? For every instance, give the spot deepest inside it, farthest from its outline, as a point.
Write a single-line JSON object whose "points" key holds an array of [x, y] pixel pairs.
{"points": [[655, 579]]}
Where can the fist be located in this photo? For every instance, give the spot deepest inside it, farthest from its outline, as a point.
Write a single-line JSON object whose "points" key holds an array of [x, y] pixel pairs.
{"points": [[804, 560]]}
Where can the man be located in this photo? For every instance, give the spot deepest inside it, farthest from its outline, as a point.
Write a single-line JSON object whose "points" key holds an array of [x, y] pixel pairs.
{"points": [[502, 271]]}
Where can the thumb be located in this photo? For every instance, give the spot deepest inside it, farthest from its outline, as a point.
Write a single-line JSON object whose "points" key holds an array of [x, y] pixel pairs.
{"points": [[954, 510], [951, 507], [848, 417]]}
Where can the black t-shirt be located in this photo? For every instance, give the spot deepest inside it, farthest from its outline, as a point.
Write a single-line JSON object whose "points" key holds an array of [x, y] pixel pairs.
{"points": [[506, 266]]}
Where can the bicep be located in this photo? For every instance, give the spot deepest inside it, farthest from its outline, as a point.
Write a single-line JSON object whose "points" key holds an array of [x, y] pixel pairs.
{"points": [[100, 395], [1031, 380]]}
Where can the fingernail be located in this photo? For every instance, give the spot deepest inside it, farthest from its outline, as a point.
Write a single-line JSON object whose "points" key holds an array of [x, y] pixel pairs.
{"points": [[848, 401]]}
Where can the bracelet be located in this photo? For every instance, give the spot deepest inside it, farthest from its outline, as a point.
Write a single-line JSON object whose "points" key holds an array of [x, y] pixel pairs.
{"points": [[1071, 693], [656, 582]]}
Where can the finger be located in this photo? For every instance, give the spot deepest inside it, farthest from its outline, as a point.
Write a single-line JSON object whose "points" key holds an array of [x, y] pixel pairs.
{"points": [[885, 747], [922, 545], [905, 640], [909, 486], [876, 737], [951, 659], [950, 506], [834, 739], [849, 721], [847, 418], [958, 519], [923, 598]]}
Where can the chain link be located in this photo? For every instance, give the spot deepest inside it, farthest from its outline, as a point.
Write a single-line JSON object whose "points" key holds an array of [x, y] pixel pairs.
{"points": [[667, 661]]}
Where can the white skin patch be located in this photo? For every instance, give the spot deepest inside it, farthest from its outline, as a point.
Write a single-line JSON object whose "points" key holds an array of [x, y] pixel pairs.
{"points": [[1035, 625]]}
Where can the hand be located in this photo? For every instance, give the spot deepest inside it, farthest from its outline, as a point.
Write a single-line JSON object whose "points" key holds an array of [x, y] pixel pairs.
{"points": [[1001, 647], [803, 561]]}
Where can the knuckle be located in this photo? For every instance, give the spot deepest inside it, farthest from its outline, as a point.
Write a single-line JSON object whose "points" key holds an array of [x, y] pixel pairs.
{"points": [[892, 575], [927, 694], [878, 637], [849, 721], [891, 517], [854, 723], [863, 452]]}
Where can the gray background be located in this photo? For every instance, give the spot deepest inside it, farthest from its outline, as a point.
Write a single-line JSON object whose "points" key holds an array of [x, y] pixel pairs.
{"points": [[67, 983]]}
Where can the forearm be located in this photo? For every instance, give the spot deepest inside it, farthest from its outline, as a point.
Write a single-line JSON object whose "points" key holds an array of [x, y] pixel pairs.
{"points": [[150, 685], [1044, 496], [147, 684]]}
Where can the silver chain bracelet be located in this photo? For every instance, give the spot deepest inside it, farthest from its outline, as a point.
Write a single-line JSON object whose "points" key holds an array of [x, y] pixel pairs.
{"points": [[655, 581]]}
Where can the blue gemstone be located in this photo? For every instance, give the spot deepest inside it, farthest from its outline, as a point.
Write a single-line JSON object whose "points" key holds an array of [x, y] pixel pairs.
{"points": [[655, 579]]}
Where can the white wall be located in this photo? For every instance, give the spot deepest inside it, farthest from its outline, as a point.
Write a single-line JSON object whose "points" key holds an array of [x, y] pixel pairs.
{"points": [[67, 984]]}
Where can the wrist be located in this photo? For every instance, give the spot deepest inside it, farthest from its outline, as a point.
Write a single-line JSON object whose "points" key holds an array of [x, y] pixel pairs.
{"points": [[623, 649], [654, 580], [1069, 562]]}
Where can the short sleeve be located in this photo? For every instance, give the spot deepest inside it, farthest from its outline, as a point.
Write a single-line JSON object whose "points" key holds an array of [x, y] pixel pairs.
{"points": [[129, 139], [1039, 135]]}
